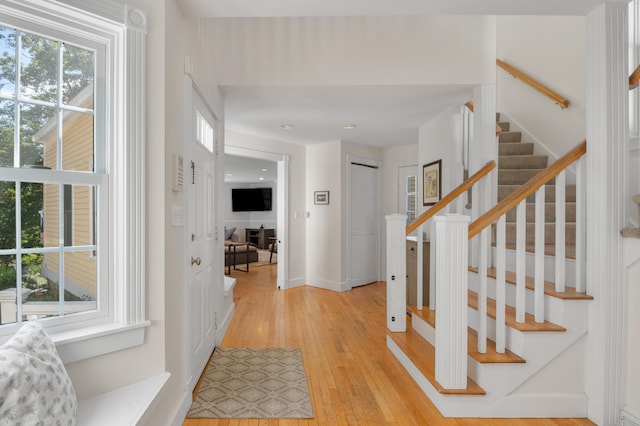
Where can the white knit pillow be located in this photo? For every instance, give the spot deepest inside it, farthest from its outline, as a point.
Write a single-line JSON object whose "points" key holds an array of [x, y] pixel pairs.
{"points": [[35, 388]]}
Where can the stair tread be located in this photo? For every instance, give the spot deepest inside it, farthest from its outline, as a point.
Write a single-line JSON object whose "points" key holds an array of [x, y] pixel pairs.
{"points": [[423, 356], [490, 357], [549, 287], [529, 324]]}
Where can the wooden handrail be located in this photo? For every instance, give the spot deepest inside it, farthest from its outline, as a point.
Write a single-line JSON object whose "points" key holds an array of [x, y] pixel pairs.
{"points": [[464, 186], [563, 102], [634, 78], [527, 189]]}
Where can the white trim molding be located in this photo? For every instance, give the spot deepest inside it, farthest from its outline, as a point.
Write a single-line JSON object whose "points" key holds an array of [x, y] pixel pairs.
{"points": [[607, 132]]}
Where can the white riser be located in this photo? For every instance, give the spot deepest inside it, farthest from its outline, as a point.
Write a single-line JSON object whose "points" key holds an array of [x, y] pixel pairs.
{"points": [[549, 266], [537, 348], [553, 307]]}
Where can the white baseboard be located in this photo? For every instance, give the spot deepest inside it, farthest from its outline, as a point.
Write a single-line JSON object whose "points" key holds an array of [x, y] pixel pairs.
{"points": [[628, 419], [183, 410], [224, 325], [296, 282], [329, 285]]}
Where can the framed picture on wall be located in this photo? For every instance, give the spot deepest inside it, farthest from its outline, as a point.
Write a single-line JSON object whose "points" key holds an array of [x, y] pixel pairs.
{"points": [[321, 197], [431, 183]]}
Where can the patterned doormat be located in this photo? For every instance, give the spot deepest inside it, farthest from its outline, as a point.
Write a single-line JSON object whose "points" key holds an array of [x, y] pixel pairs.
{"points": [[253, 383]]}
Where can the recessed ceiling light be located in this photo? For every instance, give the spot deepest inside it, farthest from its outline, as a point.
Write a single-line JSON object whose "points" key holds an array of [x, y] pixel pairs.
{"points": [[264, 170], [229, 174], [261, 178], [287, 126], [349, 126]]}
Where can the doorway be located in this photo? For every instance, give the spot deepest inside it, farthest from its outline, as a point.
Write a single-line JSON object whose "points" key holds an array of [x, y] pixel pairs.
{"points": [[281, 203], [199, 181], [364, 222]]}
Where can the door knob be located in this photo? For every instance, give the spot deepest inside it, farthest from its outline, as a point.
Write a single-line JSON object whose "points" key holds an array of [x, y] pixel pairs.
{"points": [[196, 261]]}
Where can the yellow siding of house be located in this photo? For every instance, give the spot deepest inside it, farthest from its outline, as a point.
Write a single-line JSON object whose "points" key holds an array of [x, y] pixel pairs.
{"points": [[77, 154]]}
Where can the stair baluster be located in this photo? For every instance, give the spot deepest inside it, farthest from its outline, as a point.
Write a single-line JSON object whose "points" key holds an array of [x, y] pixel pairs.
{"points": [[539, 255], [560, 232]]}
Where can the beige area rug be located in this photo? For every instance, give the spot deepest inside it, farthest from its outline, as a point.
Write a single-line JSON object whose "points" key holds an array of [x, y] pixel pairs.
{"points": [[263, 259], [253, 383]]}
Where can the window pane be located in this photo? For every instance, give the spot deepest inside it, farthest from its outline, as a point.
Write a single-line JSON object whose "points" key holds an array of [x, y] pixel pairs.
{"points": [[38, 68], [50, 224], [7, 60], [8, 282], [7, 117], [37, 127], [7, 215], [44, 299], [78, 76], [77, 142], [80, 276], [32, 214]]}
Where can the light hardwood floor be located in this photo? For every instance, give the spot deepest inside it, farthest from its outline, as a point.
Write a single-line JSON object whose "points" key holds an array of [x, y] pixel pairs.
{"points": [[353, 378]]}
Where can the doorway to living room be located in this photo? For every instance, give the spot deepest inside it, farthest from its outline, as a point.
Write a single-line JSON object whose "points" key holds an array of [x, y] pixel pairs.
{"points": [[255, 210]]}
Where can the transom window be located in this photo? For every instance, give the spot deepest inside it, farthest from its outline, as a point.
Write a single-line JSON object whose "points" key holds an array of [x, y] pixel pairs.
{"points": [[52, 175]]}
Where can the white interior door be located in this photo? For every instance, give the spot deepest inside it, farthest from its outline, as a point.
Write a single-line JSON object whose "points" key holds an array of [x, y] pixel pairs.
{"points": [[364, 207], [200, 178]]}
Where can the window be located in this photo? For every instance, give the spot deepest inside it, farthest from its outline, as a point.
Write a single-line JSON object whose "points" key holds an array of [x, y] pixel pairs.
{"points": [[411, 193], [47, 97], [69, 205]]}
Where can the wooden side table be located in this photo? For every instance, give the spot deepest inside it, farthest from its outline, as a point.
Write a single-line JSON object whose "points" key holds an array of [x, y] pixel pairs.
{"points": [[231, 250]]}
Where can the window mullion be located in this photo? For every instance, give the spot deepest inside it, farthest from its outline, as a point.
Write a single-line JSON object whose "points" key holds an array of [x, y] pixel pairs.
{"points": [[61, 249], [19, 251], [16, 106]]}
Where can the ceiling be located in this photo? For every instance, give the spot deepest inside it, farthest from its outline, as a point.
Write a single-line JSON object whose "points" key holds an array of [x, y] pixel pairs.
{"points": [[249, 170], [318, 113], [276, 8]]}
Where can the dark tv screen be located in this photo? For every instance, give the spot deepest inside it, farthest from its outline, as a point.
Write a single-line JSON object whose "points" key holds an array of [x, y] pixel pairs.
{"points": [[250, 199]]}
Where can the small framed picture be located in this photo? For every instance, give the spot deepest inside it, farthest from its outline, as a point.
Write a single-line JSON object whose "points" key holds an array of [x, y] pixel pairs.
{"points": [[431, 183], [321, 197]]}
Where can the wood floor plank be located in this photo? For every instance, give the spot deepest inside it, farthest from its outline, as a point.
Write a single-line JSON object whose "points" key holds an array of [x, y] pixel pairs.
{"points": [[353, 378]]}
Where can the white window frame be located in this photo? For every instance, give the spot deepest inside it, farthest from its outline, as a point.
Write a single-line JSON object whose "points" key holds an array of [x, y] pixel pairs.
{"points": [[120, 321]]}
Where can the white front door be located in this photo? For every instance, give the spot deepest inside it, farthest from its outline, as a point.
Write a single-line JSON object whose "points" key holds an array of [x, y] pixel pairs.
{"points": [[364, 223], [200, 179]]}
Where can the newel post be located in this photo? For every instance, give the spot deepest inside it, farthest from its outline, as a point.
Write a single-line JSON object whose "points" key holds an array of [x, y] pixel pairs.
{"points": [[396, 273], [451, 304]]}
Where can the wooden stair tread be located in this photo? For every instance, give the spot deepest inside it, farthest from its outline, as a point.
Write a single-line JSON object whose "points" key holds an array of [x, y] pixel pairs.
{"points": [[549, 287], [490, 357], [529, 324], [423, 356]]}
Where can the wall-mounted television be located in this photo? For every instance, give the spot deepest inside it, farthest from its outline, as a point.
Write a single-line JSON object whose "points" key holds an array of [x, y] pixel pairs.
{"points": [[250, 199]]}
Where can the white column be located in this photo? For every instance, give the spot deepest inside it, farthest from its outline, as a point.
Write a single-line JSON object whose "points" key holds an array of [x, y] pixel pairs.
{"points": [[396, 272], [607, 129], [452, 233]]}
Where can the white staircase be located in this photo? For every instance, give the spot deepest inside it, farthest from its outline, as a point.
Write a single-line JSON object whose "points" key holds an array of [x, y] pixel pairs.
{"points": [[541, 371]]}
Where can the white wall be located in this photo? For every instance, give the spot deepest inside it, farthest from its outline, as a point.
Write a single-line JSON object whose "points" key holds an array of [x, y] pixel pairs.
{"points": [[441, 139], [392, 159], [297, 195], [354, 50], [551, 49], [324, 225], [178, 38], [110, 371], [243, 220]]}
